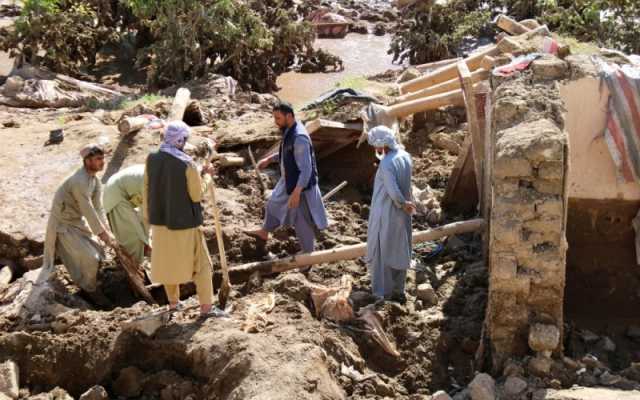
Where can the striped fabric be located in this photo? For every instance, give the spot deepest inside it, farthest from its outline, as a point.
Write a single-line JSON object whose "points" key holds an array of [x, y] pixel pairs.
{"points": [[622, 133]]}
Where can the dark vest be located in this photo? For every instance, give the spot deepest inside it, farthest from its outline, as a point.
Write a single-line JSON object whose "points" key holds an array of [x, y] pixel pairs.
{"points": [[291, 170], [168, 198]]}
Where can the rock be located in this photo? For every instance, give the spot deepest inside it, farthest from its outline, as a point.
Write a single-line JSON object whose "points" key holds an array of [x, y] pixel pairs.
{"points": [[426, 293], [148, 324], [380, 29], [634, 332], [9, 379], [440, 395], [530, 23], [359, 27], [539, 366], [462, 395], [483, 387], [588, 336], [129, 382], [294, 285], [95, 393], [550, 68], [514, 386], [607, 344], [592, 361], [608, 379], [383, 388], [570, 364], [470, 346], [544, 338], [444, 142], [512, 368], [13, 85], [408, 74]]}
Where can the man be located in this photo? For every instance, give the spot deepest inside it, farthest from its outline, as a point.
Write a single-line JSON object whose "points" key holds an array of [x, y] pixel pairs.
{"points": [[76, 212], [296, 200], [389, 230], [171, 206], [122, 195]]}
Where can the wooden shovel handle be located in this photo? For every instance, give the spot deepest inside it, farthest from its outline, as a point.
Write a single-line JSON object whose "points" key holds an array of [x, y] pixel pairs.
{"points": [[218, 226]]}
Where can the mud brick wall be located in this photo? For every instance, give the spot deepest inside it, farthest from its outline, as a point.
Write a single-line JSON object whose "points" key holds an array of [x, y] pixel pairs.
{"points": [[527, 249]]}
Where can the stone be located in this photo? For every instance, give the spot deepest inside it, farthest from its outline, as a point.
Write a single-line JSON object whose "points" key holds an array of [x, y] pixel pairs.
{"points": [[543, 337], [539, 366], [408, 74], [95, 393], [383, 388], [129, 382], [9, 379], [380, 29], [13, 85], [462, 395], [550, 68], [514, 386], [551, 170], [609, 379], [359, 27], [550, 206], [507, 167], [426, 293], [148, 324], [592, 361], [570, 363], [548, 187], [512, 368], [607, 344], [483, 387], [634, 332], [440, 395]]}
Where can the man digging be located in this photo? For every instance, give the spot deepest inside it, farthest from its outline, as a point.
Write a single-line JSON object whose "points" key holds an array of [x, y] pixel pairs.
{"points": [[296, 200], [76, 213]]}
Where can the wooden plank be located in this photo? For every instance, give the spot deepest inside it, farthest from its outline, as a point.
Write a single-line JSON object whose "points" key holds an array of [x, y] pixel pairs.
{"points": [[436, 64], [478, 75], [510, 25], [477, 141], [401, 110], [461, 193]]}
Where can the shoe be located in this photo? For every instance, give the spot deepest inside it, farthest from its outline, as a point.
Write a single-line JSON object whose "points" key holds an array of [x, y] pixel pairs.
{"points": [[215, 312]]}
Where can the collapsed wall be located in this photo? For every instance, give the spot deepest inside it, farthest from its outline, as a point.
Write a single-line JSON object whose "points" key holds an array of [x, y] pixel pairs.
{"points": [[527, 248]]}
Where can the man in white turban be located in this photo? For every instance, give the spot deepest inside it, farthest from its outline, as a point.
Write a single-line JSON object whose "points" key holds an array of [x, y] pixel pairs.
{"points": [[389, 230]]}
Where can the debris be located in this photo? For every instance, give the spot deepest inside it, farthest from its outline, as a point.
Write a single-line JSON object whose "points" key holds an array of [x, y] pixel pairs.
{"points": [[56, 136], [257, 314], [6, 275], [514, 386], [95, 393], [608, 379], [592, 361], [353, 374], [231, 161], [180, 103], [135, 273], [440, 395], [129, 125], [9, 379], [483, 387], [333, 303], [607, 344], [539, 366], [373, 321], [426, 293], [148, 324], [348, 252], [588, 336], [443, 141], [550, 68], [380, 29], [129, 382], [263, 186], [408, 74]]}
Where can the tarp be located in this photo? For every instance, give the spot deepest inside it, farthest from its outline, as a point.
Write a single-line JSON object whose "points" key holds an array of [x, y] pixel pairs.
{"points": [[339, 96]]}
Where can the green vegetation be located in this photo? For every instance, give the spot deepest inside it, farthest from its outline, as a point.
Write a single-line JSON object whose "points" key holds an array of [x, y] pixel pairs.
{"points": [[432, 31], [174, 40]]}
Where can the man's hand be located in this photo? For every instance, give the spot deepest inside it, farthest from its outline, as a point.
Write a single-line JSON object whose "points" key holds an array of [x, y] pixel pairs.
{"points": [[409, 208], [107, 238], [294, 199], [264, 163]]}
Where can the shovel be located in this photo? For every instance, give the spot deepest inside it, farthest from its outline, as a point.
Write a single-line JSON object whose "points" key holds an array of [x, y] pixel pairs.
{"points": [[223, 293]]}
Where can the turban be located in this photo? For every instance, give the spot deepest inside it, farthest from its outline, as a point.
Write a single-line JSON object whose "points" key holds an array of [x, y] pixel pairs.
{"points": [[381, 136], [175, 136], [91, 150]]}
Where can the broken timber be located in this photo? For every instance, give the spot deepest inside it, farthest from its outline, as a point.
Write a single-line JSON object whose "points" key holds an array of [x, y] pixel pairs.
{"points": [[346, 252], [131, 124], [477, 139], [180, 103], [461, 194], [334, 191]]}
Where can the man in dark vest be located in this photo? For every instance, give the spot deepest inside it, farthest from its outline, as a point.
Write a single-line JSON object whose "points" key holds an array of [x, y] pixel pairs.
{"points": [[171, 206], [296, 200]]}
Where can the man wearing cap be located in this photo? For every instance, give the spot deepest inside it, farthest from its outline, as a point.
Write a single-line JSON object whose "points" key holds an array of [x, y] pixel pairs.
{"points": [[172, 194], [76, 213], [296, 200], [122, 196], [389, 228]]}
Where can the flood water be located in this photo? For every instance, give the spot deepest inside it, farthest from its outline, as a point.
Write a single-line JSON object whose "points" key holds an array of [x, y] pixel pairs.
{"points": [[361, 55]]}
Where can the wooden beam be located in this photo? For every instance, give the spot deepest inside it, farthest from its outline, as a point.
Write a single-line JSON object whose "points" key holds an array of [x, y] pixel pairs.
{"points": [[131, 124], [436, 64], [477, 141], [452, 84], [510, 25], [461, 193], [334, 191], [401, 110], [241, 272]]}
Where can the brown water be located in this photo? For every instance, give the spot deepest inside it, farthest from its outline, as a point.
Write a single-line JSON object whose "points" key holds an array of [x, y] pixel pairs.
{"points": [[361, 54]]}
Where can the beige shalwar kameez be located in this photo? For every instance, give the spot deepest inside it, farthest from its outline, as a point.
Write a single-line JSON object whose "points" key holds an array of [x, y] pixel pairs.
{"points": [[181, 256], [76, 212]]}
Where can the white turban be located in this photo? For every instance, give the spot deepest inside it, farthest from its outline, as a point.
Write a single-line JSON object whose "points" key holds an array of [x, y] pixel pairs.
{"points": [[381, 136]]}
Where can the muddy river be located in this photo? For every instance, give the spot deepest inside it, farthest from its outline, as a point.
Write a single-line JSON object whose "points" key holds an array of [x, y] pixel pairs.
{"points": [[361, 54]]}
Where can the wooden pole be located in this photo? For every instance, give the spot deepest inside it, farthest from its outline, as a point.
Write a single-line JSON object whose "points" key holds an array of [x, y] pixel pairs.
{"points": [[230, 161], [131, 124], [180, 103], [446, 73], [436, 64], [334, 191], [263, 186], [407, 108], [225, 288], [346, 252], [478, 75]]}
